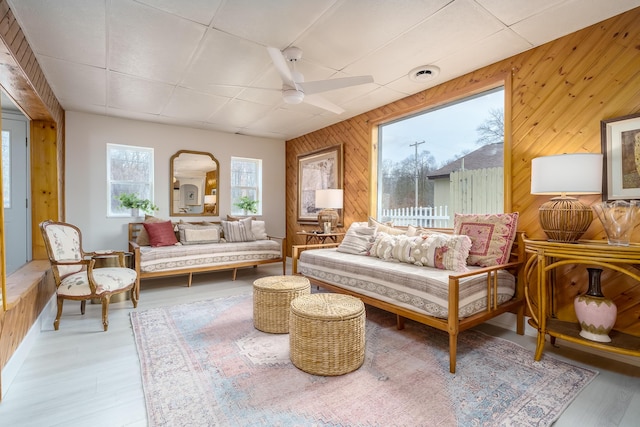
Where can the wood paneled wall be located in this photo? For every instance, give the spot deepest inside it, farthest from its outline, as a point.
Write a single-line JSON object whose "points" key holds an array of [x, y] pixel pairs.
{"points": [[560, 93]]}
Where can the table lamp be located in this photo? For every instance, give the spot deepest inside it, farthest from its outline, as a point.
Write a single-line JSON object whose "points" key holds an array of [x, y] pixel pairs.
{"points": [[328, 200], [564, 218]]}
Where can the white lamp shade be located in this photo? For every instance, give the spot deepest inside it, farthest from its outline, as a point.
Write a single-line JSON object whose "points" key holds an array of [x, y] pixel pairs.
{"points": [[329, 198], [209, 199], [579, 173]]}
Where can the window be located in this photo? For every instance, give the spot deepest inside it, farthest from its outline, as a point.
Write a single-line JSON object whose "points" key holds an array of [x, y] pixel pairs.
{"points": [[441, 161], [129, 170], [6, 168], [246, 180]]}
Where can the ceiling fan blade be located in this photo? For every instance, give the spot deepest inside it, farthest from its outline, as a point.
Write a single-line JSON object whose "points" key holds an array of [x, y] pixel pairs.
{"points": [[280, 63], [323, 103], [332, 84]]}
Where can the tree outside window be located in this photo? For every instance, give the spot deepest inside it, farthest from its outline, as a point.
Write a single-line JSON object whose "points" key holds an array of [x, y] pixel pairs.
{"points": [[246, 183], [129, 170]]}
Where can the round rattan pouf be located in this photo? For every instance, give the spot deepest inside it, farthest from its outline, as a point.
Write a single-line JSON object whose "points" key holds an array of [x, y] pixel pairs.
{"points": [[272, 298], [327, 333]]}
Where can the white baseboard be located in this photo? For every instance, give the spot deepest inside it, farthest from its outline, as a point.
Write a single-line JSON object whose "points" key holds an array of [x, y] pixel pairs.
{"points": [[508, 321], [12, 367]]}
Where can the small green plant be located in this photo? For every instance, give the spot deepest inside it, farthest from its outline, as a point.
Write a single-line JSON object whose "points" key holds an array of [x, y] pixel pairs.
{"points": [[247, 204], [132, 201]]}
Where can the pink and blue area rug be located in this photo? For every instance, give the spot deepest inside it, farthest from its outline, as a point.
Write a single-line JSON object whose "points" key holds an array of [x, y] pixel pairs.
{"points": [[204, 364]]}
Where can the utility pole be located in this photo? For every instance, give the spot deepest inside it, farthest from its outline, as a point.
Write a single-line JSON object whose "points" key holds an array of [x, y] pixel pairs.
{"points": [[415, 144]]}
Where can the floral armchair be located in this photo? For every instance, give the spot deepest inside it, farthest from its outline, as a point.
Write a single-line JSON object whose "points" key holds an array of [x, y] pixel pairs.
{"points": [[74, 273]]}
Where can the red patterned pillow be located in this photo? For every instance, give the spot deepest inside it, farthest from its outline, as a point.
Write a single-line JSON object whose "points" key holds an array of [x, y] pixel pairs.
{"points": [[491, 235], [160, 233]]}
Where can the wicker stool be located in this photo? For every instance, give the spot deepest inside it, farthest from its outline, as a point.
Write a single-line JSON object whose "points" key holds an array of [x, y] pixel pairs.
{"points": [[272, 298], [327, 333]]}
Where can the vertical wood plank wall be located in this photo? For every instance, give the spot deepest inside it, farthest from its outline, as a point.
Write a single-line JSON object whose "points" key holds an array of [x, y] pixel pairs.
{"points": [[560, 93]]}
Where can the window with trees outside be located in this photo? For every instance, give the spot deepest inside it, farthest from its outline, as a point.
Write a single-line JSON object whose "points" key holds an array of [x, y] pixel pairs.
{"points": [[246, 183], [441, 161], [129, 170]]}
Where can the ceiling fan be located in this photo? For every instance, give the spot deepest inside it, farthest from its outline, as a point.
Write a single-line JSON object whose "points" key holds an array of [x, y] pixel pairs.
{"points": [[295, 90]]}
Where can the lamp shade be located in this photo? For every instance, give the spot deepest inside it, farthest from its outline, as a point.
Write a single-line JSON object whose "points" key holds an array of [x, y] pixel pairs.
{"points": [[209, 199], [579, 173], [329, 198]]}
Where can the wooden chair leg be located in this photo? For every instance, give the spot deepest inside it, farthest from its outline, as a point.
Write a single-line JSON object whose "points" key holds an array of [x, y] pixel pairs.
{"points": [[56, 322], [105, 311], [83, 306], [453, 348], [134, 297]]}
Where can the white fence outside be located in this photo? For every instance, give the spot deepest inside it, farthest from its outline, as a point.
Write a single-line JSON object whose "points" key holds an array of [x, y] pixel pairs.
{"points": [[431, 217]]}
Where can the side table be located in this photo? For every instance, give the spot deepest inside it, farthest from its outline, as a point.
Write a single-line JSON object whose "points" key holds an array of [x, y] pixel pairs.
{"points": [[111, 260], [545, 257], [311, 237]]}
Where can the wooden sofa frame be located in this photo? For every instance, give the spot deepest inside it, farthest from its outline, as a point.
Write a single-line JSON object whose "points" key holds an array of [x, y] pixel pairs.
{"points": [[134, 230], [453, 325]]}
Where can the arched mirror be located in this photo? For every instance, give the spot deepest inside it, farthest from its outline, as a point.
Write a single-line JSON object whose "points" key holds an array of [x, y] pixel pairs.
{"points": [[194, 183]]}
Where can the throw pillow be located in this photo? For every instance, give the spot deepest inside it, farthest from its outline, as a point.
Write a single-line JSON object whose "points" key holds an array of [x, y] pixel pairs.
{"points": [[259, 230], [143, 236], [358, 239], [383, 246], [238, 218], [160, 233], [193, 234], [492, 236], [238, 231], [386, 227], [443, 251]]}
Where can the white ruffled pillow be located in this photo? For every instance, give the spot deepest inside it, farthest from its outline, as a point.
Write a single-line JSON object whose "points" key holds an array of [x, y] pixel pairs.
{"points": [[443, 251]]}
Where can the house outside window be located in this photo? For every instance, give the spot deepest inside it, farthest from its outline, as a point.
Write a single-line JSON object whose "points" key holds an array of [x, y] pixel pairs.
{"points": [[129, 170], [441, 161], [246, 180]]}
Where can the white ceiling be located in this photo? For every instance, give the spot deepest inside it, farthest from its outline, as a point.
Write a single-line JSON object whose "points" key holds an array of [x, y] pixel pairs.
{"points": [[194, 62]]}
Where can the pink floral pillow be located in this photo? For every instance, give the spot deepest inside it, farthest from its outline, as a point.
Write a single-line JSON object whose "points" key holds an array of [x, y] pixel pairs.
{"points": [[492, 236]]}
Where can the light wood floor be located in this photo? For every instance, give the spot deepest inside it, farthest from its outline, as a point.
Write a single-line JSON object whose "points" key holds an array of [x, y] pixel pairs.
{"points": [[81, 376]]}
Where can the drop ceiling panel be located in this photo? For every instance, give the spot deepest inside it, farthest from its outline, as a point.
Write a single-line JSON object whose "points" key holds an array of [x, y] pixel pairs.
{"points": [[187, 104], [225, 60], [137, 95], [240, 113], [149, 43], [353, 29], [440, 35], [72, 30], [272, 23], [512, 11], [200, 11], [80, 83]]}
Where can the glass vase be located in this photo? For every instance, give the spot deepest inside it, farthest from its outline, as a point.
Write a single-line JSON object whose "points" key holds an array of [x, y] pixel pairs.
{"points": [[617, 218]]}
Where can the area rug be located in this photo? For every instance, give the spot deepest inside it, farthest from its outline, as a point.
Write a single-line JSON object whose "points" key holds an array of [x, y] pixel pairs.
{"points": [[204, 364]]}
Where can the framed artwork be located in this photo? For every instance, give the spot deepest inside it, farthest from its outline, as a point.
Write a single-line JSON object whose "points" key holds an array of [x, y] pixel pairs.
{"points": [[318, 170], [621, 150]]}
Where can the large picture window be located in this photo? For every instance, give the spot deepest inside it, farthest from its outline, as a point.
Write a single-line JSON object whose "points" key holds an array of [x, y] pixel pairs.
{"points": [[246, 181], [129, 170], [444, 160]]}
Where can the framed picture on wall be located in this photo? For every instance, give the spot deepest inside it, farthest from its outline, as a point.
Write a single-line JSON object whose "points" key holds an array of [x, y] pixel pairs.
{"points": [[318, 170], [621, 150]]}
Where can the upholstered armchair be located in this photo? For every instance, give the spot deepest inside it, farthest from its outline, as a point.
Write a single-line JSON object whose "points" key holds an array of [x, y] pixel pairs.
{"points": [[74, 272]]}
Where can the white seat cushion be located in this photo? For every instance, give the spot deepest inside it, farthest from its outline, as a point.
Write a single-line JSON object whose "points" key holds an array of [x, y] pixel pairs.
{"points": [[107, 279]]}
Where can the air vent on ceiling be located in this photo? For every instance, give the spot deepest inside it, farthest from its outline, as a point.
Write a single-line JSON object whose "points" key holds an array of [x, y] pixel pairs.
{"points": [[424, 73]]}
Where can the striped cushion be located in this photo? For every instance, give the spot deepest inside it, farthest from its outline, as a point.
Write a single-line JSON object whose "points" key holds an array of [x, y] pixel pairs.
{"points": [[238, 231], [358, 240]]}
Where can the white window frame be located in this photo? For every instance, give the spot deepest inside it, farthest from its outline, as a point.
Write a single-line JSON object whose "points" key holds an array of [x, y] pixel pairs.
{"points": [[245, 188], [147, 185]]}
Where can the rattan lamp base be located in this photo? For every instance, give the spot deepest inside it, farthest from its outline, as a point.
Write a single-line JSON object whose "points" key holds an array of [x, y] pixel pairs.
{"points": [[565, 219]]}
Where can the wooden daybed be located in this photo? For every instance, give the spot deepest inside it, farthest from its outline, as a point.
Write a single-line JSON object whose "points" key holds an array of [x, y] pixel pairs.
{"points": [[347, 278], [209, 257]]}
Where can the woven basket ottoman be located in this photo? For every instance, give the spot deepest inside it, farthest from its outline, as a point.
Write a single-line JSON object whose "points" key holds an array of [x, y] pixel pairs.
{"points": [[272, 298], [327, 333]]}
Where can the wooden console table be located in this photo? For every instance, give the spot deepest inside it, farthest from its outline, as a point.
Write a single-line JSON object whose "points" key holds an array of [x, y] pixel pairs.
{"points": [[547, 256], [311, 237]]}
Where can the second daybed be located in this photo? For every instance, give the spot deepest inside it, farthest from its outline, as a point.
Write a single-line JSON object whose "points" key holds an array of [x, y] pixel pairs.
{"points": [[450, 279], [162, 248]]}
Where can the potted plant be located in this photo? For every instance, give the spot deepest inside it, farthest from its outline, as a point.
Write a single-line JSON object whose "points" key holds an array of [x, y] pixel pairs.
{"points": [[247, 204], [136, 204]]}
